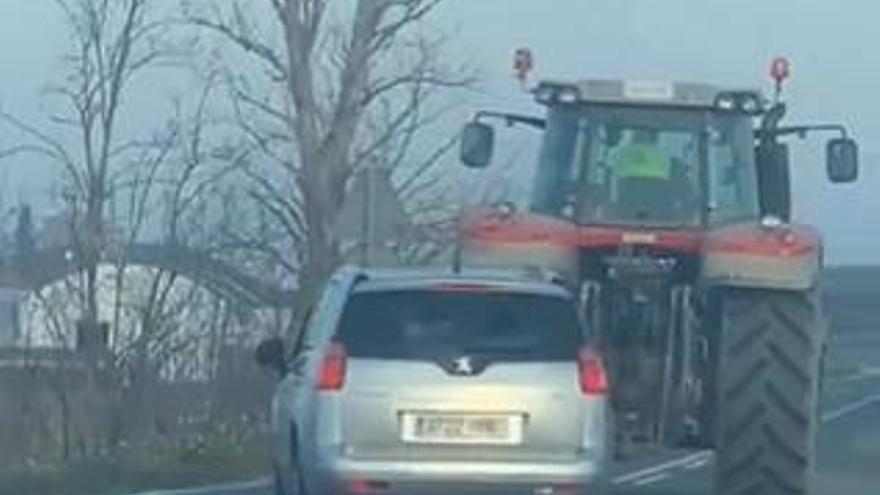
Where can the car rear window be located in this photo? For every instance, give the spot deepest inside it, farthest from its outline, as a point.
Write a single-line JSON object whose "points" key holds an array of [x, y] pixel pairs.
{"points": [[429, 324]]}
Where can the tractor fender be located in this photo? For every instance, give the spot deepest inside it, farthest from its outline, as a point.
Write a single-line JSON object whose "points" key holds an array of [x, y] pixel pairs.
{"points": [[784, 257], [519, 240]]}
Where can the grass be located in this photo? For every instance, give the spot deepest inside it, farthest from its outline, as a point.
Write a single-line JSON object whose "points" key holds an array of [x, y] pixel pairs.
{"points": [[183, 469]]}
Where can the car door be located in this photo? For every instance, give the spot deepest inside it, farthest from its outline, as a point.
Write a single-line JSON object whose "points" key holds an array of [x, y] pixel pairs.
{"points": [[285, 399], [309, 351]]}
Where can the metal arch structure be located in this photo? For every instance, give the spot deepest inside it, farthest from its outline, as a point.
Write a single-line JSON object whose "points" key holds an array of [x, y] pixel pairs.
{"points": [[32, 271]]}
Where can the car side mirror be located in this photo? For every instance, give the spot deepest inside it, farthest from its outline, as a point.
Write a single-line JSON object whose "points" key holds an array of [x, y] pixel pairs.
{"points": [[270, 355], [477, 144], [842, 160]]}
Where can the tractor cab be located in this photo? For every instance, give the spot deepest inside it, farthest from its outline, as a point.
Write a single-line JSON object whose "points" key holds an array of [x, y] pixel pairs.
{"points": [[671, 156]]}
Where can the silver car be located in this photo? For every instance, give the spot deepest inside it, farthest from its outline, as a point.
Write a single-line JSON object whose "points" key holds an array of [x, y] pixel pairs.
{"points": [[421, 383]]}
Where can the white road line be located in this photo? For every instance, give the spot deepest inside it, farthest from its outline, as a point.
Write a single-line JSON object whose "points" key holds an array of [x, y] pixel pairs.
{"points": [[697, 464], [852, 377], [652, 479], [660, 472], [647, 472], [863, 374], [850, 408], [212, 490]]}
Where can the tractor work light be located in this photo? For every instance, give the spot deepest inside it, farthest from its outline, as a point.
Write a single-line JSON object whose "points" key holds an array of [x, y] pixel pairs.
{"points": [[725, 102], [557, 93], [568, 94], [545, 94], [749, 102]]}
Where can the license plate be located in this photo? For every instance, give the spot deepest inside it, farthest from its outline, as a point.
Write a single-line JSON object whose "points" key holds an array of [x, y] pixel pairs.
{"points": [[470, 429]]}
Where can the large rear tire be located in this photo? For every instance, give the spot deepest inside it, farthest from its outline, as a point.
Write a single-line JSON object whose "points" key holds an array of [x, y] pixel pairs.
{"points": [[771, 344]]}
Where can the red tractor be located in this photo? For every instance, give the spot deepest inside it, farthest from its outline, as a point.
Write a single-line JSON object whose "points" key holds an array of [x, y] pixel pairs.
{"points": [[667, 208]]}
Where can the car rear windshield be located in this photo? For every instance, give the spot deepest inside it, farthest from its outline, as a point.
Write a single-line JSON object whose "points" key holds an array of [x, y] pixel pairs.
{"points": [[430, 324]]}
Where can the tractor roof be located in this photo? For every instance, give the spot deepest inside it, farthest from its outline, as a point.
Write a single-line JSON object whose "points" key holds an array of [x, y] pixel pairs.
{"points": [[651, 93]]}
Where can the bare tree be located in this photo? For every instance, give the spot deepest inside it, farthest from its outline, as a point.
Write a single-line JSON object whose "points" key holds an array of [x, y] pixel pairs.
{"points": [[112, 42], [343, 85], [168, 170], [166, 307], [163, 327]]}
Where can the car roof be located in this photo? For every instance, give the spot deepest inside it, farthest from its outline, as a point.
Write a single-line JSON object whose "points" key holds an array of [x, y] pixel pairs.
{"points": [[512, 280]]}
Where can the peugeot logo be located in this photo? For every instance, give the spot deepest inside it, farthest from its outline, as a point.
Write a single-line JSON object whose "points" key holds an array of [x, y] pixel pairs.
{"points": [[464, 366]]}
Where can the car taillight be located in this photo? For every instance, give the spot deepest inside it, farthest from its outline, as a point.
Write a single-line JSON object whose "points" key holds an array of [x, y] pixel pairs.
{"points": [[331, 375], [593, 377]]}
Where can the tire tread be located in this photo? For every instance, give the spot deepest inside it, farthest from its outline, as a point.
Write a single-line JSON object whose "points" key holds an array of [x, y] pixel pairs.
{"points": [[768, 378]]}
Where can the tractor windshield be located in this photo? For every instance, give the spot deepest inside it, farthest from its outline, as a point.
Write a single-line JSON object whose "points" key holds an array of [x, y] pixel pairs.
{"points": [[637, 166]]}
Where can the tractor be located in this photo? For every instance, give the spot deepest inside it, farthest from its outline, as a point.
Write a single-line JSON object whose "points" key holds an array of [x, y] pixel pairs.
{"points": [[666, 207]]}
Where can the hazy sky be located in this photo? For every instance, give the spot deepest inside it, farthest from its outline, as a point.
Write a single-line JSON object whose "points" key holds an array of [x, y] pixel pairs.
{"points": [[832, 45]]}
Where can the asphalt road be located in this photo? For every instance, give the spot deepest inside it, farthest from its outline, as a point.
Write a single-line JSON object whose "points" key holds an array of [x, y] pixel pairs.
{"points": [[849, 439]]}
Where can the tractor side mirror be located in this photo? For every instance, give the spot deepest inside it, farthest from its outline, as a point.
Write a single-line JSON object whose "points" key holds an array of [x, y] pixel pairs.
{"points": [[477, 144], [270, 355], [842, 160]]}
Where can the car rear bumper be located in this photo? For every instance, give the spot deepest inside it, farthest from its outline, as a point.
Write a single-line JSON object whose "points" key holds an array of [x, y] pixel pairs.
{"points": [[355, 477]]}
